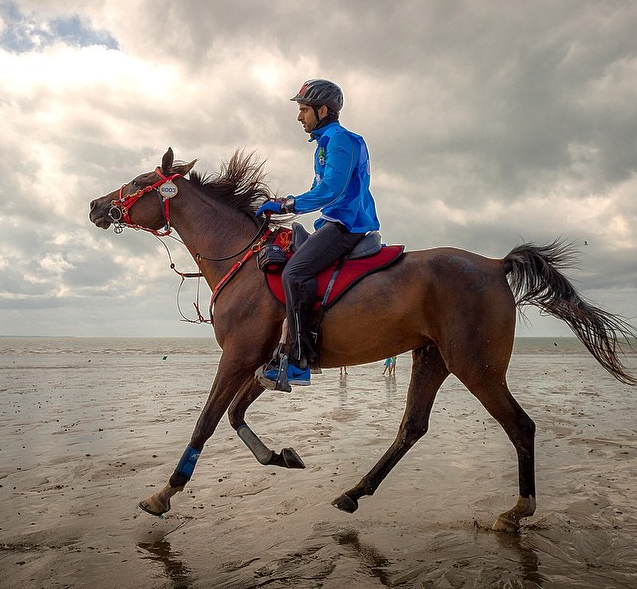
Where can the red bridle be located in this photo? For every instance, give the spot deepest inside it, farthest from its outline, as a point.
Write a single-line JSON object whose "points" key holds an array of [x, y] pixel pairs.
{"points": [[120, 210], [120, 216]]}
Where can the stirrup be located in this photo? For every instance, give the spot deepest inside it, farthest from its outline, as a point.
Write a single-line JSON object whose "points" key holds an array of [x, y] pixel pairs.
{"points": [[281, 383]]}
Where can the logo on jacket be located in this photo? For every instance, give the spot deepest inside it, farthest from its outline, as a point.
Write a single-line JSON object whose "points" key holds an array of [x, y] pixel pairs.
{"points": [[321, 156]]}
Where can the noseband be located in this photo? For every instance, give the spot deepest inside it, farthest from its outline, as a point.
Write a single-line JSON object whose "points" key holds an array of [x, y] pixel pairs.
{"points": [[120, 208]]}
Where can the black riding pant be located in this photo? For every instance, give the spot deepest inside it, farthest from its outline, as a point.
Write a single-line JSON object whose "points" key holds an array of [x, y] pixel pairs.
{"points": [[326, 245]]}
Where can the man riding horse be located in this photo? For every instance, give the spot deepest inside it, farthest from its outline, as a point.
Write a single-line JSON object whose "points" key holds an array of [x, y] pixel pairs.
{"points": [[340, 191]]}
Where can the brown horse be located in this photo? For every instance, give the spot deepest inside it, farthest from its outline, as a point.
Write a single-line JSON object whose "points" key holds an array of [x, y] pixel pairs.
{"points": [[455, 310]]}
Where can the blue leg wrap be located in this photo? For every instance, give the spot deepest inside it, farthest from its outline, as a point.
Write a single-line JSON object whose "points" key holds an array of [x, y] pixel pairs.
{"points": [[188, 462]]}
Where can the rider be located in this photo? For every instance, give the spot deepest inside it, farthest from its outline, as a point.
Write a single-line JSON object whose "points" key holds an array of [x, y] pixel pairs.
{"points": [[340, 191]]}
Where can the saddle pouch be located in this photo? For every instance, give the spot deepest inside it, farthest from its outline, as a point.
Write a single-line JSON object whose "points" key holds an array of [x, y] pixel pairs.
{"points": [[271, 259]]}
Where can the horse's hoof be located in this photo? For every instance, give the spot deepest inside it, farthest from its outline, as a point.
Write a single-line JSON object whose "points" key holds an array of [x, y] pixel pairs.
{"points": [[345, 503], [505, 523], [291, 458], [509, 521], [155, 506]]}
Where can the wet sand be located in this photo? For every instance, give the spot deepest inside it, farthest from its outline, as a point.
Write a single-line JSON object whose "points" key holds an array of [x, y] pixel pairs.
{"points": [[85, 436]]}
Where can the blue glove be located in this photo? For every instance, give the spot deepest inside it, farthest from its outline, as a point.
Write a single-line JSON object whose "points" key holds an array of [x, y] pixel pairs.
{"points": [[269, 205]]}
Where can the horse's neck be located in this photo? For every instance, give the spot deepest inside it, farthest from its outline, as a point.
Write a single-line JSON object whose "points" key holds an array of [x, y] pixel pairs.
{"points": [[211, 231]]}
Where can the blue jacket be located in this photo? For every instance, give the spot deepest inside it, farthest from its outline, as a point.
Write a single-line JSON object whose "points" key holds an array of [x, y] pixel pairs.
{"points": [[341, 182]]}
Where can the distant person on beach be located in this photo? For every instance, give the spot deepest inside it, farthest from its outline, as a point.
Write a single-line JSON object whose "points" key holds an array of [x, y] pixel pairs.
{"points": [[340, 191], [390, 366], [343, 370]]}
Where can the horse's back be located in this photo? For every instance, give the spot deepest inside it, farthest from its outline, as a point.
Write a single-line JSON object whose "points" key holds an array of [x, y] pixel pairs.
{"points": [[446, 296], [447, 271]]}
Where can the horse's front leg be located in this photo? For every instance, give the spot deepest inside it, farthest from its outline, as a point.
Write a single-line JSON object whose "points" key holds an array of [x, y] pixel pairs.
{"points": [[249, 393], [230, 372]]}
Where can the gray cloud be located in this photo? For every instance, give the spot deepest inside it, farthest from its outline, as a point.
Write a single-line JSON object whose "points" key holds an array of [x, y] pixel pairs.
{"points": [[487, 124]]}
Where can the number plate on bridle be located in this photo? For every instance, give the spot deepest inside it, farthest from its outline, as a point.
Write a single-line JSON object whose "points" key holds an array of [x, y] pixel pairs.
{"points": [[168, 190]]}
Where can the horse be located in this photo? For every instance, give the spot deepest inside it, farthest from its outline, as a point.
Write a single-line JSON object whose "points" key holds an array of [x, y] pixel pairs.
{"points": [[454, 310]]}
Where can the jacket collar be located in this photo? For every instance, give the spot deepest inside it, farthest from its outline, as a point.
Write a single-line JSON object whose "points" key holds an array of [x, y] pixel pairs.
{"points": [[317, 133]]}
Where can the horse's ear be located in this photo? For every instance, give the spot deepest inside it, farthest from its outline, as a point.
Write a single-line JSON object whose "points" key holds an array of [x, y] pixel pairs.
{"points": [[183, 169], [167, 161]]}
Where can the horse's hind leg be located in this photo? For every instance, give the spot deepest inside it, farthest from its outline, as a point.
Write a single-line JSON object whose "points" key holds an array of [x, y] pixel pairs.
{"points": [[492, 391], [427, 374]]}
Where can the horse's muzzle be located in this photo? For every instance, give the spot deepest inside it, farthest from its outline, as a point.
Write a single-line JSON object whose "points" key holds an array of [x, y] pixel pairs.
{"points": [[99, 212]]}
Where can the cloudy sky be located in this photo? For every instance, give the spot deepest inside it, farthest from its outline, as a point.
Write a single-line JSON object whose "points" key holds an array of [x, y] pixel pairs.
{"points": [[488, 123]]}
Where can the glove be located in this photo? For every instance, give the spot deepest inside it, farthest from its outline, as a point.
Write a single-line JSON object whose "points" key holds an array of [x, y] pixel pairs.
{"points": [[269, 205]]}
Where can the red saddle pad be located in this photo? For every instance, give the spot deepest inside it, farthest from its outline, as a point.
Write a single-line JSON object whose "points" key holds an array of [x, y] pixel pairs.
{"points": [[351, 272]]}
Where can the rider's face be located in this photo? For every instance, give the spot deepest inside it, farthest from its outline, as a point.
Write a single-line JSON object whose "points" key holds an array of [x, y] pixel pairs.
{"points": [[307, 116]]}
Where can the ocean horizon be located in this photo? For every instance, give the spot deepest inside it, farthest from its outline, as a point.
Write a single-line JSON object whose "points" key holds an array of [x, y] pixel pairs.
{"points": [[45, 344]]}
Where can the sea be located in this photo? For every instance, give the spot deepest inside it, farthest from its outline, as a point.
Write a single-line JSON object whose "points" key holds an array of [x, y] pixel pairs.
{"points": [[12, 347], [183, 360]]}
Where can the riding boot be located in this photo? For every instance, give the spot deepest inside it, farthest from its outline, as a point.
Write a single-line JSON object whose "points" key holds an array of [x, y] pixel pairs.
{"points": [[301, 349]]}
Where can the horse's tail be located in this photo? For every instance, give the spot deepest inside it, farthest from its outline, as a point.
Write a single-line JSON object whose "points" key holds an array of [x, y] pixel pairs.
{"points": [[535, 279]]}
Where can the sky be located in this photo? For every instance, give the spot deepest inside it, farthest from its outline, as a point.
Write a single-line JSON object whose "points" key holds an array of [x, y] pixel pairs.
{"points": [[489, 124]]}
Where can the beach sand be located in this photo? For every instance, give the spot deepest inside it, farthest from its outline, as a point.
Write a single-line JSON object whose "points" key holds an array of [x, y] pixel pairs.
{"points": [[86, 434]]}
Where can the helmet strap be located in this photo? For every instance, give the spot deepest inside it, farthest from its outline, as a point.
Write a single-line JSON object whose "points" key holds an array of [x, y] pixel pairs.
{"points": [[330, 117]]}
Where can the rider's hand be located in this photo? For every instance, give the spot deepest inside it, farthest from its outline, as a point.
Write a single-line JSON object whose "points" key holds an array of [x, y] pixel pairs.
{"points": [[270, 205]]}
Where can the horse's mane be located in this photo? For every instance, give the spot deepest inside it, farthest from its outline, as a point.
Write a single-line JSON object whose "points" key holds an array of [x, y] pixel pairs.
{"points": [[240, 183]]}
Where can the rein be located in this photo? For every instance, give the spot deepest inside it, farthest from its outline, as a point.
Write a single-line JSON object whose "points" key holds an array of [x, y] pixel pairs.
{"points": [[253, 249], [237, 266]]}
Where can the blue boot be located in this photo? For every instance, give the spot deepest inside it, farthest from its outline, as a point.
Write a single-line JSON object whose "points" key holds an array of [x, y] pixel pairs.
{"points": [[268, 376], [296, 375]]}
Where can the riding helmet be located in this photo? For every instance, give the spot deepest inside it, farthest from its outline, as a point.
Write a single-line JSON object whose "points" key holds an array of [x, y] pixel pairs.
{"points": [[317, 92]]}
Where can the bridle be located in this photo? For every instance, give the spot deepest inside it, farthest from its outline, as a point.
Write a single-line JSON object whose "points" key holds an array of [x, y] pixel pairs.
{"points": [[119, 214], [120, 208]]}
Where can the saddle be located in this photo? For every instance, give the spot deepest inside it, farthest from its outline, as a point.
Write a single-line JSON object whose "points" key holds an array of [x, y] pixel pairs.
{"points": [[369, 256]]}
